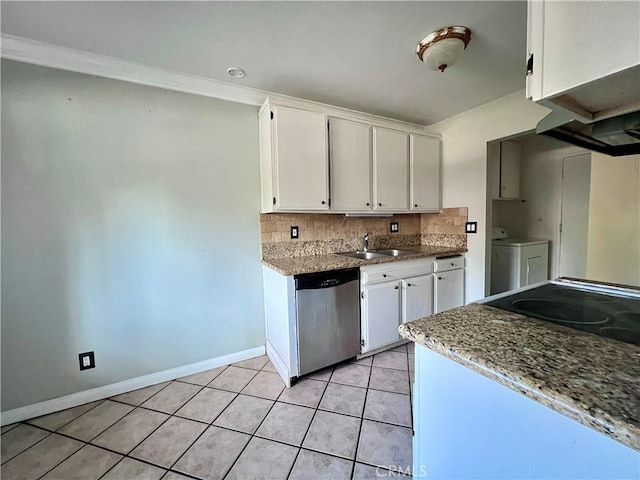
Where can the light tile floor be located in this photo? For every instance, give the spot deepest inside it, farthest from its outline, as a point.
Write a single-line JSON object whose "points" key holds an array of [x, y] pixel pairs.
{"points": [[235, 422]]}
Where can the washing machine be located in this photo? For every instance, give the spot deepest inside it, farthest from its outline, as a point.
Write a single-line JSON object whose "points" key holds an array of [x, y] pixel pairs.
{"points": [[517, 262]]}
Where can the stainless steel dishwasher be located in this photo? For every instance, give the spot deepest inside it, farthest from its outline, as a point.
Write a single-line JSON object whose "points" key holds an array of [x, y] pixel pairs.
{"points": [[328, 318]]}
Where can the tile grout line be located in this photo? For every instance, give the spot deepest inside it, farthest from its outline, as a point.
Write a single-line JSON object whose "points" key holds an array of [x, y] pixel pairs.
{"points": [[309, 426], [126, 455], [98, 403], [210, 424], [101, 432], [57, 432], [139, 443], [170, 415], [33, 445], [364, 406], [51, 432], [85, 443], [13, 425], [251, 437]]}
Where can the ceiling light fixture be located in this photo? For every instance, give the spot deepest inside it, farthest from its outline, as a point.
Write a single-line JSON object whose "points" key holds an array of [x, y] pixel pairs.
{"points": [[442, 48], [235, 72]]}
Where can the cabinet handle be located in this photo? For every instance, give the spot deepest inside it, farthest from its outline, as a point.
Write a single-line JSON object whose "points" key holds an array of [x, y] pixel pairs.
{"points": [[323, 202], [453, 264], [396, 287], [379, 204], [384, 275], [530, 65], [415, 205], [439, 278], [367, 204], [409, 285]]}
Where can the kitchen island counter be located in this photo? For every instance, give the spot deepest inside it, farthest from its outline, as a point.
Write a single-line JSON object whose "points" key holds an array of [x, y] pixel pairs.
{"points": [[335, 261], [592, 380]]}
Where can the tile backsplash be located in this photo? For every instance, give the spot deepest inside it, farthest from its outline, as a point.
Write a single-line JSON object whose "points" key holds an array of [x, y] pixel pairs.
{"points": [[326, 233]]}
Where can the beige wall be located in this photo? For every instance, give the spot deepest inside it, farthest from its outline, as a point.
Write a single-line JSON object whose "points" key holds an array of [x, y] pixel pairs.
{"points": [[613, 252], [464, 168]]}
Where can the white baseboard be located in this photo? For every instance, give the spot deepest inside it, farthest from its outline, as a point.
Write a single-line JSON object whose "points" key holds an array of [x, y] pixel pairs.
{"points": [[280, 366], [99, 393]]}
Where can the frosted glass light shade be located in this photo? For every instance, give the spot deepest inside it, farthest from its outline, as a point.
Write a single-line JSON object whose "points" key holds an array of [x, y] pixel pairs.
{"points": [[442, 48], [443, 54]]}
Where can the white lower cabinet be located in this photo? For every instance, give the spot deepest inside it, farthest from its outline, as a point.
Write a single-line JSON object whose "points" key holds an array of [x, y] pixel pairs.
{"points": [[382, 312], [391, 294], [449, 284], [417, 298]]}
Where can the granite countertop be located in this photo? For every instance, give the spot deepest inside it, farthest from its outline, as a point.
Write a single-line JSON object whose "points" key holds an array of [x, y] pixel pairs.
{"points": [[593, 380], [334, 261]]}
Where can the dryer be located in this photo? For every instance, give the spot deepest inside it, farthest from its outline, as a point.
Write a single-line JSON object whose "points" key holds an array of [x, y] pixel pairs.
{"points": [[517, 262]]}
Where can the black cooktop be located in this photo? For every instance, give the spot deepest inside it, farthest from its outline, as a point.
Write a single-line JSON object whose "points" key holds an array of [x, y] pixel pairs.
{"points": [[604, 314]]}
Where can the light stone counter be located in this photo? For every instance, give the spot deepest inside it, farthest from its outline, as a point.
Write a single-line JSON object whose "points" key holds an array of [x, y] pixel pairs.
{"points": [[593, 380], [334, 261]]}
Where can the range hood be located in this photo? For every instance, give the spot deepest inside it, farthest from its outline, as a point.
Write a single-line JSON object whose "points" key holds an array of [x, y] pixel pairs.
{"points": [[616, 136]]}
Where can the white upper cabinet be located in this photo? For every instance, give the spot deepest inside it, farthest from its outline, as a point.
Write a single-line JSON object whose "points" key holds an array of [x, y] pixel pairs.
{"points": [[390, 170], [350, 162], [294, 160], [586, 56], [317, 158], [425, 174]]}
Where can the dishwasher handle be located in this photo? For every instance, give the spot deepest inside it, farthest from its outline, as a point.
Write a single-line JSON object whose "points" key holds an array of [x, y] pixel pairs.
{"points": [[316, 281]]}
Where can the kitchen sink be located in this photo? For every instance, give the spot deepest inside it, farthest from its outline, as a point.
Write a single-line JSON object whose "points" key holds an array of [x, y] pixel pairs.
{"points": [[392, 252], [363, 255]]}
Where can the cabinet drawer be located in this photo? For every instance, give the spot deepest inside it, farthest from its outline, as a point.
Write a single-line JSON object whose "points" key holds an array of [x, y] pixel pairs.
{"points": [[451, 263], [395, 271]]}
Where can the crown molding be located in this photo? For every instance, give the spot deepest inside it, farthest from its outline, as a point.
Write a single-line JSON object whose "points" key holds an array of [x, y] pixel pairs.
{"points": [[48, 55]]}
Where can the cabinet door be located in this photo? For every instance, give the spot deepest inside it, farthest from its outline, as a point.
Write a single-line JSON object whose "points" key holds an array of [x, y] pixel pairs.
{"points": [[390, 170], [449, 290], [350, 159], [578, 33], [536, 270], [503, 269], [300, 160], [535, 34], [380, 315], [425, 174], [417, 300], [509, 169]]}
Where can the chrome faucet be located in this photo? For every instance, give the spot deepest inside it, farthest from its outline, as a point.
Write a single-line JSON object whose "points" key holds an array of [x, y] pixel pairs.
{"points": [[365, 242]]}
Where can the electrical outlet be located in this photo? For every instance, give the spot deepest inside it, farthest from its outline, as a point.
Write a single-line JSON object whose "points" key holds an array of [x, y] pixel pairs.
{"points": [[87, 360], [394, 227], [295, 232], [471, 227]]}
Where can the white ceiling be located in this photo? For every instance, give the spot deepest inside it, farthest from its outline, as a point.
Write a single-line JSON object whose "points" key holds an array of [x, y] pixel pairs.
{"points": [[358, 55]]}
